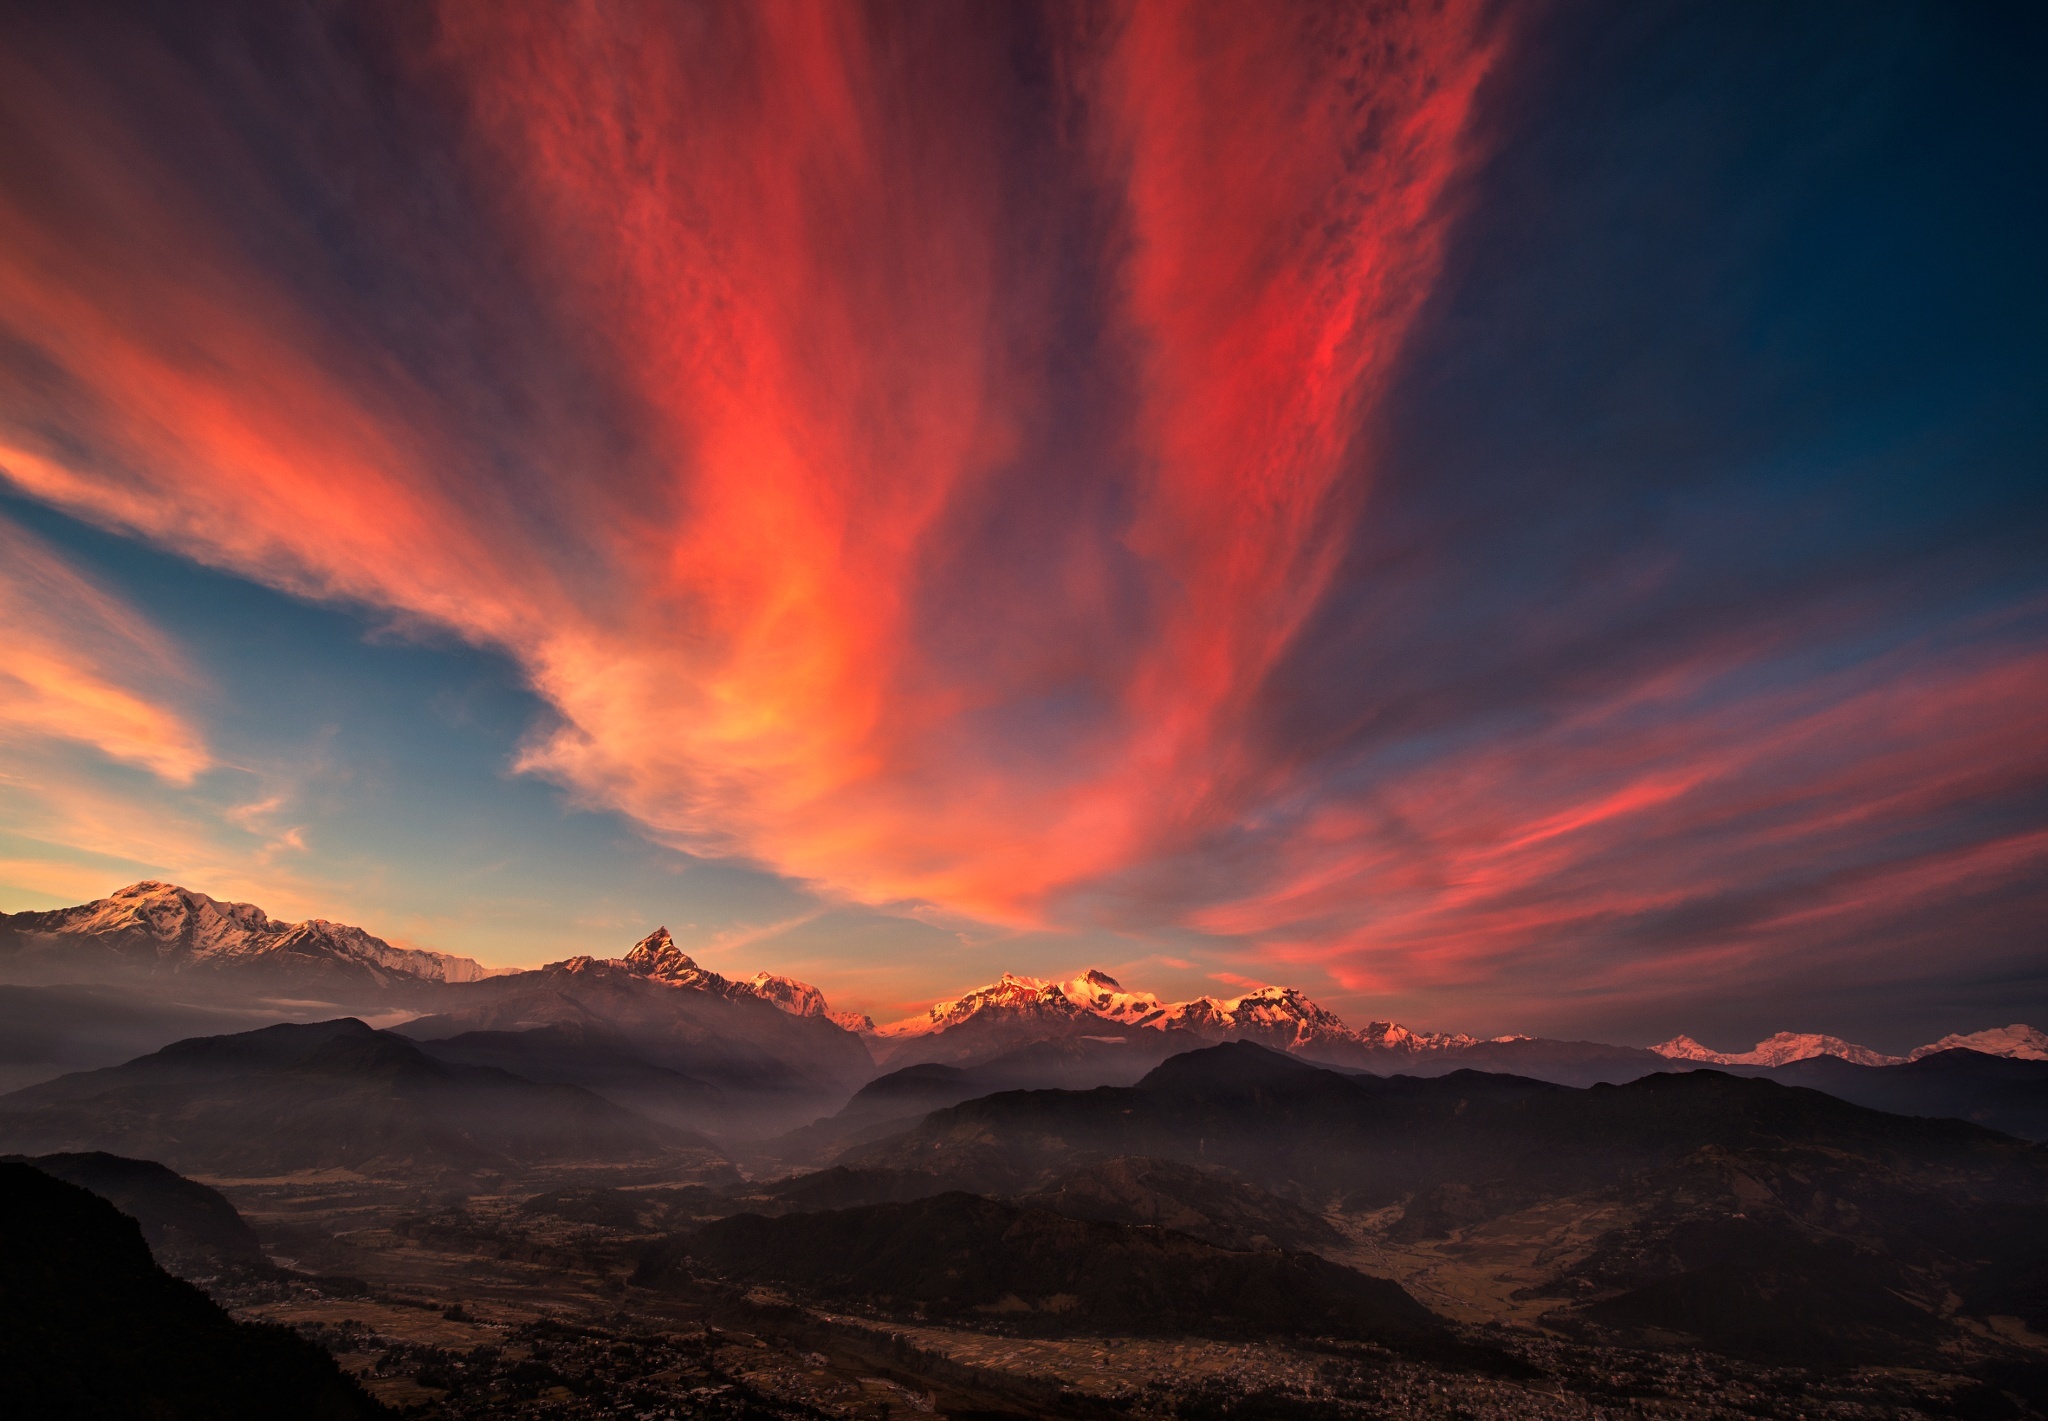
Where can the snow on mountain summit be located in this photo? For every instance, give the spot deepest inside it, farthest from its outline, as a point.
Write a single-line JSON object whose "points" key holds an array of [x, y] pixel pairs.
{"points": [[2023, 1043], [1280, 1016], [657, 958], [1010, 994], [2018, 1041], [796, 998], [171, 929], [1779, 1050]]}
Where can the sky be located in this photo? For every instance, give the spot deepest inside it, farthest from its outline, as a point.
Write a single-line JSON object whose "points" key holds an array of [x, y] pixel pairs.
{"points": [[1505, 516]]}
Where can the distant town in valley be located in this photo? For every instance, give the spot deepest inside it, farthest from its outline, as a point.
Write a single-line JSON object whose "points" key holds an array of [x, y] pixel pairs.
{"points": [[633, 1182]]}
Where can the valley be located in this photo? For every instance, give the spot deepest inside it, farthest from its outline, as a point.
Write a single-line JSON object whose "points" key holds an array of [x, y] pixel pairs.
{"points": [[1052, 710], [484, 1308], [635, 1187]]}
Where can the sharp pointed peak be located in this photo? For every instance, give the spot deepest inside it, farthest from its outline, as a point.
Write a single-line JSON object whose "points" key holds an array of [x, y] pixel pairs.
{"points": [[659, 948]]}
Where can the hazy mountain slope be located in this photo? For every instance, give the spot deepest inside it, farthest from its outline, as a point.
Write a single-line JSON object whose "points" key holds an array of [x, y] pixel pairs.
{"points": [[771, 1069], [1809, 1254], [1270, 1116], [47, 1031], [192, 1231], [766, 1051], [600, 1061], [1929, 1209], [960, 1256], [1371, 1140], [895, 1101], [2000, 1092], [1573, 1063], [336, 1095], [91, 1327]]}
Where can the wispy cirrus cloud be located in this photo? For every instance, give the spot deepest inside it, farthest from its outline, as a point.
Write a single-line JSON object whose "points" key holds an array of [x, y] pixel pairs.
{"points": [[83, 666], [800, 282], [970, 459]]}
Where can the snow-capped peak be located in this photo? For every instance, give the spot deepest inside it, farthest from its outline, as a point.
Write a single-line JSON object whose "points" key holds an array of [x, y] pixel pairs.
{"points": [[1097, 992], [1779, 1050], [1280, 1016], [176, 929], [657, 958], [1008, 993], [1392, 1036], [796, 998], [2023, 1043]]}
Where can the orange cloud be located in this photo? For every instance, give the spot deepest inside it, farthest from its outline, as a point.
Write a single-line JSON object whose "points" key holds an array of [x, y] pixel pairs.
{"points": [[82, 666], [1698, 844], [798, 276], [906, 448]]}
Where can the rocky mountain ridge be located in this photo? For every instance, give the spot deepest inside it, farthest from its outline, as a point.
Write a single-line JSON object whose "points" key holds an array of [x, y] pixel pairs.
{"points": [[657, 958], [1281, 1016], [1778, 1050], [153, 929], [161, 928], [1286, 1019], [2017, 1041]]}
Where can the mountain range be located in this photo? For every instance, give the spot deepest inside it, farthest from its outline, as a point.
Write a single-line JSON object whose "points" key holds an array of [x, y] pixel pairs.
{"points": [[155, 930], [2017, 1041], [686, 1045], [656, 1031], [1764, 1219], [1014, 1009], [1223, 1190]]}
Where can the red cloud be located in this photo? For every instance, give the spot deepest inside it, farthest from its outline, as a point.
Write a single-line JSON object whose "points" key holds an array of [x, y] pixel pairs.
{"points": [[902, 452], [83, 666], [798, 273]]}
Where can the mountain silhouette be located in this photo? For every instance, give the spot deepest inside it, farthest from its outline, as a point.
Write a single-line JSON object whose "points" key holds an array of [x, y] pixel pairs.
{"points": [[333, 1095], [90, 1326]]}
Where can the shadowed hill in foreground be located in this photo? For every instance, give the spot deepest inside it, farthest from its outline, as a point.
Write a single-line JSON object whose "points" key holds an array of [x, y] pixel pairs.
{"points": [[1207, 1204], [192, 1231], [1997, 1092], [1727, 1193], [334, 1095], [1369, 1141], [963, 1257], [90, 1327]]}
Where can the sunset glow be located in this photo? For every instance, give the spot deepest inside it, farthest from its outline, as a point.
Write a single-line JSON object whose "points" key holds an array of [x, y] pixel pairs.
{"points": [[1281, 490]]}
